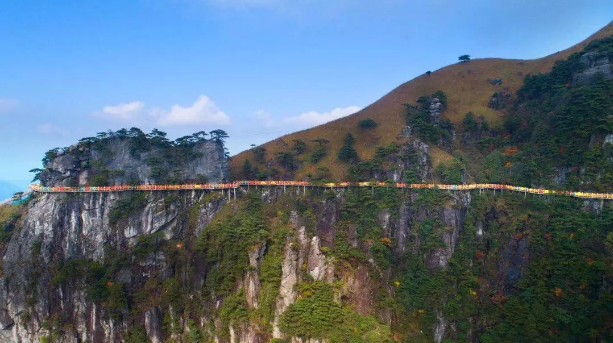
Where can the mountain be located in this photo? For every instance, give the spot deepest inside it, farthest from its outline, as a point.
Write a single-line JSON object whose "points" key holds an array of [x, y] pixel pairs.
{"points": [[356, 264], [465, 84], [7, 189]]}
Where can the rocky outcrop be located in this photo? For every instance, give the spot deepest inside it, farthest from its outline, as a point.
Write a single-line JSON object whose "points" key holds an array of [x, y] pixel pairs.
{"points": [[60, 228], [595, 64], [500, 100], [494, 81], [114, 161], [436, 107]]}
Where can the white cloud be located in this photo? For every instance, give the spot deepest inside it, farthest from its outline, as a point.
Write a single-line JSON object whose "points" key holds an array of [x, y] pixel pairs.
{"points": [[314, 118], [51, 130], [7, 104], [264, 118], [203, 111], [129, 111]]}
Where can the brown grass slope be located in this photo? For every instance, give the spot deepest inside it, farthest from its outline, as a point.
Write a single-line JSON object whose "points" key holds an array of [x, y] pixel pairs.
{"points": [[467, 90]]}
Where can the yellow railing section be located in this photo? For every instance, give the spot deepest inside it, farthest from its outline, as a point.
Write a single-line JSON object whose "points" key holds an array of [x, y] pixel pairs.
{"points": [[234, 185]]}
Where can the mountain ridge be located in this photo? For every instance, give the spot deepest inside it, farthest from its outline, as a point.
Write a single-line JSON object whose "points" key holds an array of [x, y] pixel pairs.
{"points": [[467, 88]]}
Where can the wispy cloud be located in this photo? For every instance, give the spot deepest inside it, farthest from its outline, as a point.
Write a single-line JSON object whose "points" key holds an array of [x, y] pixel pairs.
{"points": [[128, 111], [264, 118], [49, 129], [7, 104], [304, 120], [202, 111], [314, 118]]}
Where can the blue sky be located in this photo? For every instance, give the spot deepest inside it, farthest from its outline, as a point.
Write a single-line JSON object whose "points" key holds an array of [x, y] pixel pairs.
{"points": [[255, 68]]}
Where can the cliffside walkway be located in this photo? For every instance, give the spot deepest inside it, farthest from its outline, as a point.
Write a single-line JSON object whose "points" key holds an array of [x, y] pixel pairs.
{"points": [[234, 185]]}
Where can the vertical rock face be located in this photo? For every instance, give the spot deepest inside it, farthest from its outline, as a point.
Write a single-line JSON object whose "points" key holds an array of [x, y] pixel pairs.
{"points": [[59, 228], [594, 64], [435, 110], [289, 279], [35, 289], [251, 283]]}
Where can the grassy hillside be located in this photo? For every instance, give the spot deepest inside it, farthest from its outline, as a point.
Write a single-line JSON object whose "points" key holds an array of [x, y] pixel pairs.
{"points": [[467, 89]]}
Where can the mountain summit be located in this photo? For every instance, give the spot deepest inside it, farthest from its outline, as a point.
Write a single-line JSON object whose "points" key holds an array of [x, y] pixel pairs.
{"points": [[487, 88]]}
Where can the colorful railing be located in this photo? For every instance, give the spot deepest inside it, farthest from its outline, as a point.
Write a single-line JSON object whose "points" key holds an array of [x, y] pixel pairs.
{"points": [[234, 185]]}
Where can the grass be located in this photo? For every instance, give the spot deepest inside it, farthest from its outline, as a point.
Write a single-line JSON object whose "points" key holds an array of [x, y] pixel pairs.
{"points": [[467, 89]]}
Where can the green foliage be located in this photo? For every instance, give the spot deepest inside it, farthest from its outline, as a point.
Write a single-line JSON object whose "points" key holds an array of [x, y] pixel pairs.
{"points": [[464, 58], [248, 172], [367, 124], [126, 207], [470, 124], [321, 173], [168, 155], [557, 123], [451, 173], [418, 117], [116, 301], [494, 170], [9, 214], [299, 146], [316, 315], [136, 334], [319, 153], [286, 160], [313, 315], [259, 154], [146, 245], [442, 97], [234, 309], [225, 243], [347, 153]]}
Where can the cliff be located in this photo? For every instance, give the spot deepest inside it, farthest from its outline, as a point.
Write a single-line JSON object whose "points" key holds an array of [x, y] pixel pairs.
{"points": [[131, 157], [324, 266], [319, 266]]}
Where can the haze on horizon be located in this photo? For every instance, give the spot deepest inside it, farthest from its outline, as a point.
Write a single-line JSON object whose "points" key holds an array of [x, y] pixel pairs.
{"points": [[257, 69]]}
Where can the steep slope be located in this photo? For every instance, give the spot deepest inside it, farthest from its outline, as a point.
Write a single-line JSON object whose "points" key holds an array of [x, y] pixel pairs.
{"points": [[467, 89]]}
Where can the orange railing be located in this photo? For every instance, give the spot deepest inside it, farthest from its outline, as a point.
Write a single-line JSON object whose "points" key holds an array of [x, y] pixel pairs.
{"points": [[234, 185]]}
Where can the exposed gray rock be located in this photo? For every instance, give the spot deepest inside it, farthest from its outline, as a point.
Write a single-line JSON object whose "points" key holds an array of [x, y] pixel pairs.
{"points": [[406, 132], [69, 227], [435, 110], [251, 281], [289, 279], [594, 64], [495, 81], [74, 166]]}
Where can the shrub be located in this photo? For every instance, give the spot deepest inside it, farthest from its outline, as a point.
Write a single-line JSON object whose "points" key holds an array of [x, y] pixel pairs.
{"points": [[259, 154], [299, 146], [125, 208], [136, 334], [319, 153], [286, 160], [367, 124], [347, 153]]}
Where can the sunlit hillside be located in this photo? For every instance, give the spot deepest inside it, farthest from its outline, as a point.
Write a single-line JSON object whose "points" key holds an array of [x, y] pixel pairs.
{"points": [[467, 88]]}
